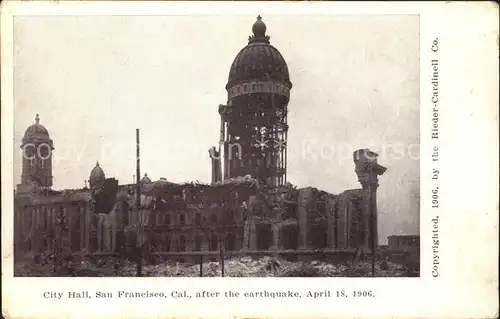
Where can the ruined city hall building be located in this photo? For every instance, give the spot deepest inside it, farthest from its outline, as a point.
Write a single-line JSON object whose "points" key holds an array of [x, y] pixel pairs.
{"points": [[248, 207]]}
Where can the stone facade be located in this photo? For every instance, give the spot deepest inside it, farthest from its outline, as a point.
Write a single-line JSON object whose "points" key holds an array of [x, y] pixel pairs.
{"points": [[235, 215], [36, 213], [249, 205]]}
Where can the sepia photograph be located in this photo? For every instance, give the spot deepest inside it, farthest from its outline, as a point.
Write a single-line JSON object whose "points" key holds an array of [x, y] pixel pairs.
{"points": [[216, 145]]}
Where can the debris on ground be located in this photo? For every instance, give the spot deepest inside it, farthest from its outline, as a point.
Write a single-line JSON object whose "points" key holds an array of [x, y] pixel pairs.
{"points": [[237, 267]]}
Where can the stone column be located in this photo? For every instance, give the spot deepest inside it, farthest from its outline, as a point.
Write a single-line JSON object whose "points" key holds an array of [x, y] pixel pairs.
{"points": [[250, 235], [174, 243], [367, 215], [99, 235], [341, 228], [36, 242], [276, 236], [304, 202], [192, 240], [253, 236], [222, 165], [371, 206], [105, 236], [32, 228], [17, 228], [349, 217], [246, 236], [81, 212], [113, 233], [239, 240], [331, 231], [87, 221], [368, 171]]}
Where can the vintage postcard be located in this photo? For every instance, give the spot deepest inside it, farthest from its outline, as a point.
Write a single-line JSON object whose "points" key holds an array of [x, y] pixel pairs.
{"points": [[234, 151]]}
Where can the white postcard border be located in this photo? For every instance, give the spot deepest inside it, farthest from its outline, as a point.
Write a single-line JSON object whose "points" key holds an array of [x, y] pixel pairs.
{"points": [[468, 195]]}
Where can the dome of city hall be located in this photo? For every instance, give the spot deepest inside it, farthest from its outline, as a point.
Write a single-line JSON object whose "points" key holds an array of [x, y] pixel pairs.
{"points": [[258, 61]]}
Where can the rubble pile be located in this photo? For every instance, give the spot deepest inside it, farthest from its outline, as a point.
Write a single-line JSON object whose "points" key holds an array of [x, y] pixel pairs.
{"points": [[32, 270], [238, 267], [266, 267], [312, 269], [246, 267], [247, 179]]}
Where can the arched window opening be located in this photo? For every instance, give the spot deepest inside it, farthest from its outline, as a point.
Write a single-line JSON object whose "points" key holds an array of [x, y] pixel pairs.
{"points": [[125, 212], [30, 219], [45, 219], [182, 219], [197, 243], [50, 219], [198, 219], [290, 211], [93, 243], [37, 219], [229, 244], [175, 245], [214, 219], [161, 245], [264, 236], [213, 243], [182, 243], [153, 242], [321, 208], [230, 215], [167, 244], [290, 236], [319, 236]]}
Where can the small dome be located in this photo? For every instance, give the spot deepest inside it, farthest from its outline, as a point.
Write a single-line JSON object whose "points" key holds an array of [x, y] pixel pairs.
{"points": [[145, 179], [97, 176], [36, 131], [258, 61]]}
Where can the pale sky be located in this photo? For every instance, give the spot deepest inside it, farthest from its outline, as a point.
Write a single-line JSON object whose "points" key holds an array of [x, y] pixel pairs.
{"points": [[94, 80]]}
